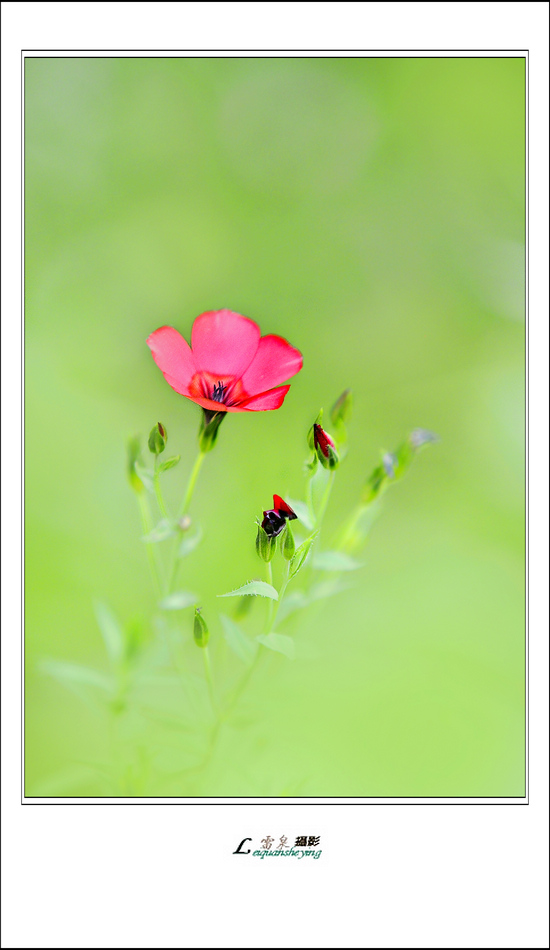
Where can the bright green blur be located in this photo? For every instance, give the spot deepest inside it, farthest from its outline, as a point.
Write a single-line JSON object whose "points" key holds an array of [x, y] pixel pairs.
{"points": [[371, 211]]}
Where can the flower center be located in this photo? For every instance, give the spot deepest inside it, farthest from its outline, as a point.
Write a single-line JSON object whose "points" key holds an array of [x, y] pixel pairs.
{"points": [[218, 392]]}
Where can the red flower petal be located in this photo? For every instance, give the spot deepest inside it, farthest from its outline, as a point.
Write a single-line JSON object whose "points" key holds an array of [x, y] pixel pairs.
{"points": [[212, 405], [272, 399], [280, 505], [224, 343], [173, 356], [275, 361]]}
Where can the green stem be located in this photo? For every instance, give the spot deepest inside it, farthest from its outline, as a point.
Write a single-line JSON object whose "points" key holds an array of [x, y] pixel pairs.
{"points": [[158, 492], [153, 556], [254, 665], [282, 592], [191, 485], [324, 499], [174, 563]]}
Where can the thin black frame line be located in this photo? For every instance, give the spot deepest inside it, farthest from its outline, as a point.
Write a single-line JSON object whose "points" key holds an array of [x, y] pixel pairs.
{"points": [[519, 54], [325, 799]]}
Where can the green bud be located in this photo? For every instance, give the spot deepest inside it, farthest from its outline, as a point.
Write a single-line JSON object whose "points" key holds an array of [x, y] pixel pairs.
{"points": [[208, 431], [341, 410], [375, 485], [396, 464], [265, 545], [133, 450], [158, 438], [200, 630], [288, 544]]}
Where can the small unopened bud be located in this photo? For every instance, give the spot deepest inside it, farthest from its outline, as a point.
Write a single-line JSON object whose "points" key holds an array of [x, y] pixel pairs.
{"points": [[288, 544], [184, 523], [326, 450], [265, 544], [200, 630], [158, 438], [341, 410], [311, 433], [208, 432]]}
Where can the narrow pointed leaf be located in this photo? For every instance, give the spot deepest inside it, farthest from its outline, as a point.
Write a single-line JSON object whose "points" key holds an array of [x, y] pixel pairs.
{"points": [[301, 555], [169, 463], [254, 589]]}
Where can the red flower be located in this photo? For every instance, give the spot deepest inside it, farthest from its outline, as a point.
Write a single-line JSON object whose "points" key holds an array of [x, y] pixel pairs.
{"points": [[229, 367], [274, 519]]}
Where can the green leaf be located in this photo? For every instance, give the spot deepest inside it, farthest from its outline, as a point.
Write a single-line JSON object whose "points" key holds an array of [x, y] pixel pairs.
{"points": [[169, 463], [111, 631], [189, 543], [243, 646], [145, 475], [164, 529], [254, 589], [301, 555], [178, 600], [279, 643], [335, 561], [302, 510], [75, 674]]}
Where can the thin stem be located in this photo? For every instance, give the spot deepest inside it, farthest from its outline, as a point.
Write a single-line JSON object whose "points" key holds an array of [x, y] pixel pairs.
{"points": [[324, 499], [158, 491], [174, 562], [153, 556], [191, 485], [253, 666], [282, 592]]}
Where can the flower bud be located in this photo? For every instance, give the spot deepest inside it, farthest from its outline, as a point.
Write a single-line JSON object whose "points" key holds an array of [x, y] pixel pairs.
{"points": [[200, 630], [341, 410], [288, 545], [311, 433], [326, 450], [375, 485], [208, 432], [265, 544], [158, 438]]}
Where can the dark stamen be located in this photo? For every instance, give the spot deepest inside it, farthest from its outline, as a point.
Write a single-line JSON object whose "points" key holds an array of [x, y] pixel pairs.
{"points": [[218, 392]]}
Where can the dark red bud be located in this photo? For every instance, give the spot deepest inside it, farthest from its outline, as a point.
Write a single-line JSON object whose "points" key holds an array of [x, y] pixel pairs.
{"points": [[322, 440]]}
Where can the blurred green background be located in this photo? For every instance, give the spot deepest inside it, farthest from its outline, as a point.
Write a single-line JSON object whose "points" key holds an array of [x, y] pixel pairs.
{"points": [[371, 211]]}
